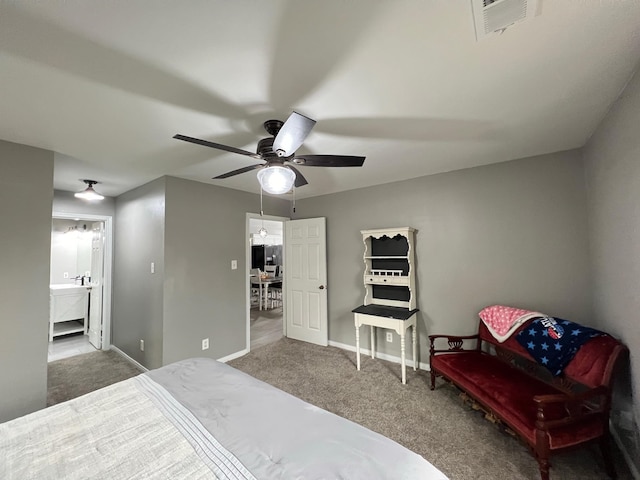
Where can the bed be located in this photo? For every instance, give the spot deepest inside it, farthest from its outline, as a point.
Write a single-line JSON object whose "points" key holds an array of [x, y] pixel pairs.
{"points": [[198, 419]]}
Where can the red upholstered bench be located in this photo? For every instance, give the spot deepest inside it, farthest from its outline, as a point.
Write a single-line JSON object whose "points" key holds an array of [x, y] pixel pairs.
{"points": [[548, 413]]}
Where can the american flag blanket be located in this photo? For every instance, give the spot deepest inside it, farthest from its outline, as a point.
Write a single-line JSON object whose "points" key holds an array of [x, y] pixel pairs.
{"points": [[553, 342]]}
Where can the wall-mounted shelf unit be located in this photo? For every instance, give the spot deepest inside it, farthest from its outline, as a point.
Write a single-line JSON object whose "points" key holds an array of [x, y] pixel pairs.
{"points": [[389, 283], [389, 272]]}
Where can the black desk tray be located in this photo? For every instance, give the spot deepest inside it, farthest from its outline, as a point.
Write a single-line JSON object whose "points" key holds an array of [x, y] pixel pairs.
{"points": [[385, 311]]}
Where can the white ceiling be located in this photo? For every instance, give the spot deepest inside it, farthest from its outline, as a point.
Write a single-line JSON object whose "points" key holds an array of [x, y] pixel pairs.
{"points": [[107, 83]]}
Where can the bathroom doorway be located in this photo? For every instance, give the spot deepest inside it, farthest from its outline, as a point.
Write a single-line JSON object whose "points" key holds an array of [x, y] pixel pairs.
{"points": [[265, 272], [80, 284]]}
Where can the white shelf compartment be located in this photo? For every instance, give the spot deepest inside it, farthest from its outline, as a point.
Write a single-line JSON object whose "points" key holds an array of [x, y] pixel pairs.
{"points": [[65, 328]]}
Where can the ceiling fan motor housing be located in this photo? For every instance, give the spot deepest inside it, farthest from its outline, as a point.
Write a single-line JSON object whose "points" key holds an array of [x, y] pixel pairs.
{"points": [[265, 148], [273, 126]]}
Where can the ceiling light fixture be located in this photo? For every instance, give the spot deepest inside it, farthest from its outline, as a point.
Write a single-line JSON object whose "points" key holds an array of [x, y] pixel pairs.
{"points": [[89, 193], [276, 179]]}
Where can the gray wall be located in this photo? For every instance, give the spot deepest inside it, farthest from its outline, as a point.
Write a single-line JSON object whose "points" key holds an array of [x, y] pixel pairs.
{"points": [[512, 233], [191, 231], [137, 293], [65, 202], [612, 161], [26, 192], [203, 297]]}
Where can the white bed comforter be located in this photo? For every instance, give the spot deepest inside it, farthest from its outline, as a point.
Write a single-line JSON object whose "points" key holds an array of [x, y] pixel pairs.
{"points": [[198, 419]]}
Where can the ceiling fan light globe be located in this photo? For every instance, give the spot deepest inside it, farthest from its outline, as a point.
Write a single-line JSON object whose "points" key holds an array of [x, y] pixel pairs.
{"points": [[276, 180]]}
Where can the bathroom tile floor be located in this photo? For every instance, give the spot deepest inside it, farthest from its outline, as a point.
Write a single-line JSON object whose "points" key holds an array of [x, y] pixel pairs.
{"points": [[69, 346]]}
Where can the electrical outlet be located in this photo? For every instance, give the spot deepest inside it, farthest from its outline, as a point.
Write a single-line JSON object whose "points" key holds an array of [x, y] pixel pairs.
{"points": [[65, 275], [234, 264], [142, 345], [389, 336], [205, 343]]}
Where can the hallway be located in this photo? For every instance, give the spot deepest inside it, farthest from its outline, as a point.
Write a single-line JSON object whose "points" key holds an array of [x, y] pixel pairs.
{"points": [[266, 326]]}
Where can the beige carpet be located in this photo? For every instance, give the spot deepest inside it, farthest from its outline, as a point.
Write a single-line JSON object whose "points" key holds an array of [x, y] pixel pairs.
{"points": [[74, 376], [435, 424]]}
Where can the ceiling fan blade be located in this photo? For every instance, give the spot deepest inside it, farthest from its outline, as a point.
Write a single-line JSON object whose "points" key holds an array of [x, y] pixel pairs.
{"points": [[328, 160], [292, 134], [239, 171], [219, 146], [300, 180]]}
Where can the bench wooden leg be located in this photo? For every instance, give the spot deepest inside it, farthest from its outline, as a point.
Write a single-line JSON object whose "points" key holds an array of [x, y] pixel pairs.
{"points": [[541, 448], [433, 380], [544, 465], [605, 447]]}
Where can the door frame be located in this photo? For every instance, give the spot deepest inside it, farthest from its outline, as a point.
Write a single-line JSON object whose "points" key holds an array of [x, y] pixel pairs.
{"points": [[107, 268], [247, 234]]}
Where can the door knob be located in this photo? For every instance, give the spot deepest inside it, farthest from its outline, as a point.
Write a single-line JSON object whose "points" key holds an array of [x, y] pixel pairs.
{"points": [[321, 287]]}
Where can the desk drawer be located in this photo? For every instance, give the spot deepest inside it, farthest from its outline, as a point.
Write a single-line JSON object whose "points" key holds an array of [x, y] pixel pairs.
{"points": [[386, 280]]}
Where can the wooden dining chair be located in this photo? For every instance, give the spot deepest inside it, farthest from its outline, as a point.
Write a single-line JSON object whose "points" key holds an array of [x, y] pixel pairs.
{"points": [[256, 286], [275, 289]]}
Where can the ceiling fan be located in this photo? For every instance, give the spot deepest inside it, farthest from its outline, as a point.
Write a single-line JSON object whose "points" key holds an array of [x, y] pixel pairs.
{"points": [[278, 174]]}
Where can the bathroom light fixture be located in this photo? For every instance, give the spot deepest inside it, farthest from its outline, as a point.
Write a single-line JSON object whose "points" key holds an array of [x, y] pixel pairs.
{"points": [[89, 193], [276, 179]]}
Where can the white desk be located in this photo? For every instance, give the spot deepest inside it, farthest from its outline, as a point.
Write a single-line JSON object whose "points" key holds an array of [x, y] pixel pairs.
{"points": [[393, 318]]}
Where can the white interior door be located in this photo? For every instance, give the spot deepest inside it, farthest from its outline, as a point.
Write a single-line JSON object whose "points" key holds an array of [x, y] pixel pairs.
{"points": [[95, 300], [306, 280]]}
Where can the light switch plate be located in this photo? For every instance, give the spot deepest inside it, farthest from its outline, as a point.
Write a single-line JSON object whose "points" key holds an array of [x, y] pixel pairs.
{"points": [[234, 264]]}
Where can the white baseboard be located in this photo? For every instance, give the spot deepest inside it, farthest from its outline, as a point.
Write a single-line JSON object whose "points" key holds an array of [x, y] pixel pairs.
{"points": [[627, 456], [226, 359], [382, 356], [128, 358], [233, 356]]}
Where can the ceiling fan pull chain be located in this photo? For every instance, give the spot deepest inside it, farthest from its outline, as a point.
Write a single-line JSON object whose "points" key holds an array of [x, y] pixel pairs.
{"points": [[294, 199], [261, 211]]}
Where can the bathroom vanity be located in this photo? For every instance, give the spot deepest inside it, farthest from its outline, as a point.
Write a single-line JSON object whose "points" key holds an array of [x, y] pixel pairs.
{"points": [[68, 309]]}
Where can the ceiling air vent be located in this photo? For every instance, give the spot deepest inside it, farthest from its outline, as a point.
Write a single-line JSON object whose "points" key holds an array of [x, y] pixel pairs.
{"points": [[494, 16]]}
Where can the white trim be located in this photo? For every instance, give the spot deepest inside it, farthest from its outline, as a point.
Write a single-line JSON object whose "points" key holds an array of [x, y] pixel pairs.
{"points": [[128, 358], [108, 266], [382, 356], [247, 236], [233, 356], [625, 453]]}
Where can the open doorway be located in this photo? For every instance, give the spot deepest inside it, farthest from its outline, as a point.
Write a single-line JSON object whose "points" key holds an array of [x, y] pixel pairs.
{"points": [[265, 272], [80, 284]]}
